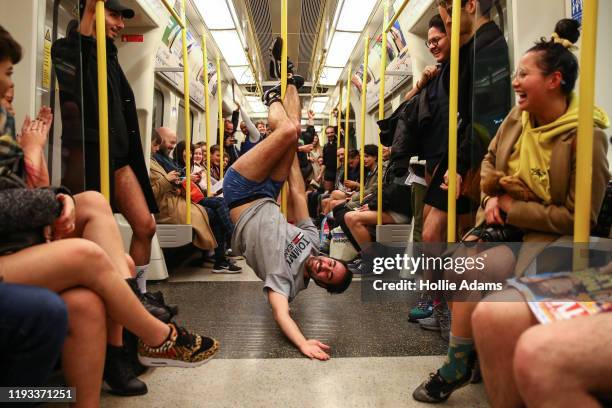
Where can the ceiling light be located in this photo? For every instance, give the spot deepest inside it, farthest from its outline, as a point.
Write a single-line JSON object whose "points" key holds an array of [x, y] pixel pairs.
{"points": [[330, 76], [243, 75], [355, 15], [216, 14], [231, 47], [341, 48]]}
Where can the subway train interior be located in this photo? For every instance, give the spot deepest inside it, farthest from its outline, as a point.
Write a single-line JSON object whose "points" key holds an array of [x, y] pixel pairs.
{"points": [[260, 185]]}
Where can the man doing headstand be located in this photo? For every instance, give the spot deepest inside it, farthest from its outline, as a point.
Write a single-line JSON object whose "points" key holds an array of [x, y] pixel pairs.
{"points": [[284, 256]]}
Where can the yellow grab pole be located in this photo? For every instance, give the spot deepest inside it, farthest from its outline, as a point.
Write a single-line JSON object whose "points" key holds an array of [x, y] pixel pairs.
{"points": [[381, 112], [220, 117], [584, 146], [187, 117], [453, 102], [339, 125], [284, 35], [396, 16], [102, 100], [207, 107], [364, 90], [347, 116], [173, 12]]}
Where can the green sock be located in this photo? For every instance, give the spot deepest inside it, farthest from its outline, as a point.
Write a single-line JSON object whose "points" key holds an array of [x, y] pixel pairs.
{"points": [[460, 351]]}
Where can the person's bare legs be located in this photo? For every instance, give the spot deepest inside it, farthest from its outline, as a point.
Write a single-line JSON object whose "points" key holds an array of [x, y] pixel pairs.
{"points": [[434, 224], [358, 222], [85, 345], [68, 263], [258, 163], [498, 322], [131, 202], [292, 105], [556, 366], [95, 222]]}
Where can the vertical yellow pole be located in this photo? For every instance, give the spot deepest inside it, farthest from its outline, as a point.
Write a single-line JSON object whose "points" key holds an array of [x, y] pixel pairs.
{"points": [[339, 125], [347, 117], [584, 146], [187, 116], [364, 90], [284, 35], [220, 117], [453, 102], [207, 107], [102, 100], [381, 110]]}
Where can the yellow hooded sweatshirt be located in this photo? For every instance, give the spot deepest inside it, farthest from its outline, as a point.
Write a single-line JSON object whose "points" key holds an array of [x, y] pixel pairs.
{"points": [[530, 158]]}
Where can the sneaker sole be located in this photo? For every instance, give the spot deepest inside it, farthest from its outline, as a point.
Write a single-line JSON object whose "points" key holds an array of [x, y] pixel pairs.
{"points": [[226, 271], [167, 362], [108, 389], [430, 328]]}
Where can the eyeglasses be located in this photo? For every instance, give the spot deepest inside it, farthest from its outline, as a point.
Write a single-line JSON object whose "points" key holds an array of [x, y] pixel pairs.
{"points": [[434, 41]]}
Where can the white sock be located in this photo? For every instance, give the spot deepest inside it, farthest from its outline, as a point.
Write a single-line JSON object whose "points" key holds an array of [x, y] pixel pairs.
{"points": [[140, 277]]}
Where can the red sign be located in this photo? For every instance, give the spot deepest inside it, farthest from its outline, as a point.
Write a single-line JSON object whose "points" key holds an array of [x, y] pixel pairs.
{"points": [[132, 38]]}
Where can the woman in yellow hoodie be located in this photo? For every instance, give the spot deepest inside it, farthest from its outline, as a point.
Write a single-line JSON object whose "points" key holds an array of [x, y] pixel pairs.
{"points": [[536, 147]]}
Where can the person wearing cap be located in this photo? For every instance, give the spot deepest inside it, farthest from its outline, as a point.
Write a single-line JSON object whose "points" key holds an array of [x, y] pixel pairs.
{"points": [[75, 63]]}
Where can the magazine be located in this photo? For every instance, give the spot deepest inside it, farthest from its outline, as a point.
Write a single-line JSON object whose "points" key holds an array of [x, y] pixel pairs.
{"points": [[566, 295]]}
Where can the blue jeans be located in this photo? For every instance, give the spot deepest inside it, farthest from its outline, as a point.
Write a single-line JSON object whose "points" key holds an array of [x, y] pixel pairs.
{"points": [[239, 190], [33, 326]]}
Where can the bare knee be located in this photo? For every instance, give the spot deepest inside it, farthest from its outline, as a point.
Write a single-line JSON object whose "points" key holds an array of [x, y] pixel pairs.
{"points": [[533, 364], [84, 306], [91, 202], [351, 219], [88, 259], [145, 229]]}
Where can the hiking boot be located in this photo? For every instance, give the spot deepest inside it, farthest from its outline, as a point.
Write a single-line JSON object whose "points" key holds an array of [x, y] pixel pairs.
{"points": [[437, 389], [181, 349], [226, 266], [157, 309], [422, 310], [119, 377]]}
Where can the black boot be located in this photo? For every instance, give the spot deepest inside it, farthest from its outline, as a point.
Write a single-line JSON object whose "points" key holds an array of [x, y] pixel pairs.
{"points": [[119, 377], [157, 309]]}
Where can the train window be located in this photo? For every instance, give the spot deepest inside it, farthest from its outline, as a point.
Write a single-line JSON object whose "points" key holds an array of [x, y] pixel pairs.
{"points": [[158, 109], [181, 122]]}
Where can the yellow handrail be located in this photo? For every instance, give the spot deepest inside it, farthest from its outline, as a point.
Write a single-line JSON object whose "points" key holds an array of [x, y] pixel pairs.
{"points": [[285, 36], [584, 146], [396, 16], [187, 117], [347, 117], [220, 117], [364, 90], [339, 125], [381, 112], [453, 102], [102, 100], [171, 10], [207, 108]]}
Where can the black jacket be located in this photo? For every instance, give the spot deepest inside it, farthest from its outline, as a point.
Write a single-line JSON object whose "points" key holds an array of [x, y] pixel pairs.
{"points": [[75, 64]]}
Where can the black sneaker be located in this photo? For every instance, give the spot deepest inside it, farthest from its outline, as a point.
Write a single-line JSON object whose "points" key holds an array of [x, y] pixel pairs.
{"points": [[437, 389], [153, 306], [226, 266], [277, 55], [181, 349], [119, 377], [157, 299], [272, 95]]}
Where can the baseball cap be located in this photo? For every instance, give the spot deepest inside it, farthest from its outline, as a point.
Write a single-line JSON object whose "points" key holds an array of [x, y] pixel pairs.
{"points": [[116, 5]]}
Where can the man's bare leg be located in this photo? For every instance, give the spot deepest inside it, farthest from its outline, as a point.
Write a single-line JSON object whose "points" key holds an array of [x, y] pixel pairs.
{"points": [[498, 322], [294, 111], [259, 163], [555, 366]]}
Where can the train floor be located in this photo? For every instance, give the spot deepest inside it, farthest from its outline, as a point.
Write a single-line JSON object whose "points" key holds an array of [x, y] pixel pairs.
{"points": [[378, 357]]}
